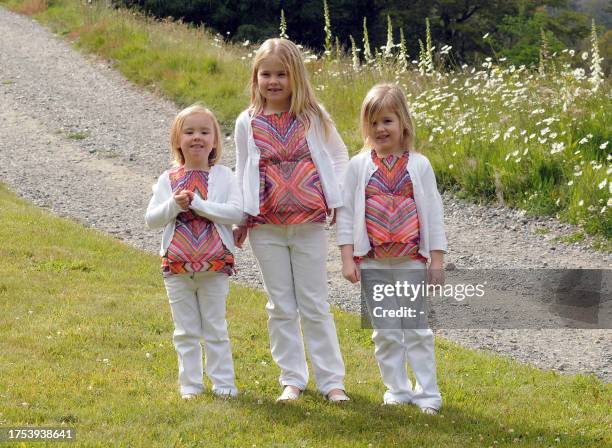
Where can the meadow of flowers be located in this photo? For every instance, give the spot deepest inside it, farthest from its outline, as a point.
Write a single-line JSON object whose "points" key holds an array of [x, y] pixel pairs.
{"points": [[537, 138]]}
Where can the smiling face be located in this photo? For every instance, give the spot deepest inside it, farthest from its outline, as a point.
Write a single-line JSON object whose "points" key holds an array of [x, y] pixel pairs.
{"points": [[197, 140], [274, 84], [385, 132]]}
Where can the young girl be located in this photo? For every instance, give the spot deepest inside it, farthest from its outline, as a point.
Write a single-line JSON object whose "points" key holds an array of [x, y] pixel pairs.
{"points": [[392, 219], [196, 202], [290, 161]]}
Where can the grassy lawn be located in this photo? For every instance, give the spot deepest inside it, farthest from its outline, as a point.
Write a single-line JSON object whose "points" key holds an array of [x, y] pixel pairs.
{"points": [[493, 132], [85, 341]]}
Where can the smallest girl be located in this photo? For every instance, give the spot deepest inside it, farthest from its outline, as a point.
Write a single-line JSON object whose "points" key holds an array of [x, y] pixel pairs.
{"points": [[392, 220], [197, 202]]}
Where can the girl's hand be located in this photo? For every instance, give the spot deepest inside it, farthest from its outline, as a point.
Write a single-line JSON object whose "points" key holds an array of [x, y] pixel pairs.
{"points": [[190, 194], [240, 234], [333, 214], [350, 271], [182, 199], [435, 274]]}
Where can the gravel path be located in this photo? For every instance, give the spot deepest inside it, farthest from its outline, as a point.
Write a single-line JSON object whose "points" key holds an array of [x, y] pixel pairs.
{"points": [[80, 140]]}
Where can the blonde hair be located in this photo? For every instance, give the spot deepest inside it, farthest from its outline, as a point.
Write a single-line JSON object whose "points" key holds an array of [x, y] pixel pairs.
{"points": [[387, 96], [177, 127], [304, 104]]}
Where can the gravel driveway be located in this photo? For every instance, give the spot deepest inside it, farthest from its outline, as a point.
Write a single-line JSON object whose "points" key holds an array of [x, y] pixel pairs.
{"points": [[80, 140]]}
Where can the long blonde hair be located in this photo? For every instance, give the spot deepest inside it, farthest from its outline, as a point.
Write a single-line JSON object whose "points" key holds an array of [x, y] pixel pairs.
{"points": [[177, 127], [304, 104], [387, 96]]}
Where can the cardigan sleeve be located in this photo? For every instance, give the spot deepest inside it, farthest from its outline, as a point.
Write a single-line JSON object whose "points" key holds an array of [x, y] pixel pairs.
{"points": [[338, 154], [162, 207], [437, 237], [346, 213], [229, 212], [241, 140], [335, 147]]}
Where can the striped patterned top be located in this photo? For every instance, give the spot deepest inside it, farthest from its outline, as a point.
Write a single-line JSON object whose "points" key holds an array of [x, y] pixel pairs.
{"points": [[290, 190], [391, 215], [196, 245]]}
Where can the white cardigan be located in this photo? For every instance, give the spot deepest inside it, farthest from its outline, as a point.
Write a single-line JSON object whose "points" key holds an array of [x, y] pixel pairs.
{"points": [[223, 206], [351, 225], [328, 154]]}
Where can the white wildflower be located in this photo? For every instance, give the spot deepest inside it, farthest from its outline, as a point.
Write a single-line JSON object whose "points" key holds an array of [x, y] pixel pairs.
{"points": [[602, 184], [557, 147], [570, 183], [603, 145], [579, 74], [596, 78]]}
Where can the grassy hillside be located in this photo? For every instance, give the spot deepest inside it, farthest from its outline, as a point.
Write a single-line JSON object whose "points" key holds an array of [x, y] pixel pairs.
{"points": [[537, 140], [86, 342]]}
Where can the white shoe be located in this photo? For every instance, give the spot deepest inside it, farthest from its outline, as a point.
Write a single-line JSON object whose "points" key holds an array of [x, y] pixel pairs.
{"points": [[188, 397], [392, 402], [289, 394], [429, 411], [338, 397]]}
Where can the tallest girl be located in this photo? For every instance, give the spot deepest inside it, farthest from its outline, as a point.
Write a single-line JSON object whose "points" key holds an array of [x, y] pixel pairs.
{"points": [[290, 162]]}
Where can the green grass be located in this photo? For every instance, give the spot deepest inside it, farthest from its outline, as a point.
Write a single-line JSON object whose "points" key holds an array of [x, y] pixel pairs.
{"points": [[570, 239], [489, 130], [78, 135], [542, 231], [80, 311]]}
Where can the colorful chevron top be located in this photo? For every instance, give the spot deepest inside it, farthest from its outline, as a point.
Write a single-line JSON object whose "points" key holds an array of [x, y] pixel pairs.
{"points": [[290, 190], [391, 215], [196, 245]]}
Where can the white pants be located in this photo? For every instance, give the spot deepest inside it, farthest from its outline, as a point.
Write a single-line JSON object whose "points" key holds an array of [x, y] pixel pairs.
{"points": [[292, 260], [197, 302], [395, 347]]}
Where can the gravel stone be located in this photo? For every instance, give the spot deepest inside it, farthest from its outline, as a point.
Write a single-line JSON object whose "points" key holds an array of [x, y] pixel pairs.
{"points": [[83, 142]]}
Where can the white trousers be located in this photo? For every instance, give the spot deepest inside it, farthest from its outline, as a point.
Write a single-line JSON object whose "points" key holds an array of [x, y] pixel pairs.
{"points": [[394, 347], [197, 302], [292, 260]]}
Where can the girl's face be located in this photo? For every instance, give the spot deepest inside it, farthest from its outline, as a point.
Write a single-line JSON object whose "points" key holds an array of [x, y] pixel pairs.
{"points": [[273, 83], [385, 132], [197, 140]]}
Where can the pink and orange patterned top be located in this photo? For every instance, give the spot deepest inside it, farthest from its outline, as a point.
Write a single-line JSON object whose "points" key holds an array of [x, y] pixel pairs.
{"points": [[196, 245], [290, 189], [391, 214]]}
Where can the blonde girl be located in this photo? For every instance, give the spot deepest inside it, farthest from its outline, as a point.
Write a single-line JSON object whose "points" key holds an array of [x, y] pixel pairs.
{"points": [[196, 202], [392, 219], [290, 162]]}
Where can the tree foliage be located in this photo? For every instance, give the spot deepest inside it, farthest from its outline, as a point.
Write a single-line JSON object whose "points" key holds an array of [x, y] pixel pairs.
{"points": [[514, 25]]}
